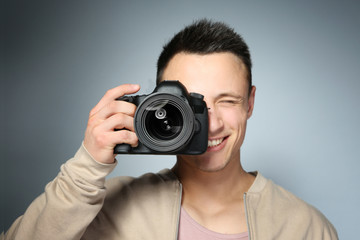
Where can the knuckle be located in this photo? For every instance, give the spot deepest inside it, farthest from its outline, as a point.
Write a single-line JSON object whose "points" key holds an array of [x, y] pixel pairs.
{"points": [[112, 106], [120, 118], [128, 136], [92, 112], [109, 92], [91, 121], [124, 135], [99, 137], [133, 109], [101, 140]]}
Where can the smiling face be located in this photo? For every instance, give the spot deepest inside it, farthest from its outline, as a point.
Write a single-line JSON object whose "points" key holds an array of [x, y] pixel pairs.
{"points": [[221, 78]]}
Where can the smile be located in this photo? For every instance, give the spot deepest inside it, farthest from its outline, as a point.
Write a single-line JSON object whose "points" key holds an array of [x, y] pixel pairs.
{"points": [[215, 142]]}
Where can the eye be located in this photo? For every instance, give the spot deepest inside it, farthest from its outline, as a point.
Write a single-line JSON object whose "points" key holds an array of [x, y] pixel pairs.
{"points": [[229, 101]]}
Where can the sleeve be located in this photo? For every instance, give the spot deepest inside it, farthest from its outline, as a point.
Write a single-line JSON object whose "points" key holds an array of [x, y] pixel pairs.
{"points": [[68, 205]]}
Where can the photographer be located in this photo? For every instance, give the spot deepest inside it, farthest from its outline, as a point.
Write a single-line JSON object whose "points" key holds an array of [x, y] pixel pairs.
{"points": [[206, 196]]}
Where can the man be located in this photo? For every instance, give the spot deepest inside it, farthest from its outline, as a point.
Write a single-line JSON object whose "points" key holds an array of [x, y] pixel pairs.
{"points": [[207, 196]]}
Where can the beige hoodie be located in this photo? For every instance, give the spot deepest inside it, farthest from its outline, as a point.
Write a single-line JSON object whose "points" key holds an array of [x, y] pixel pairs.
{"points": [[79, 204]]}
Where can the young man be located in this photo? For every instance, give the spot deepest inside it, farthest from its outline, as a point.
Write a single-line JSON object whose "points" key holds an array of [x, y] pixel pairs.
{"points": [[207, 196]]}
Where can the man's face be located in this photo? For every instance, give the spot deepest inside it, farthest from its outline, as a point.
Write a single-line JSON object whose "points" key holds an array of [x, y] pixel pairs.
{"points": [[221, 78]]}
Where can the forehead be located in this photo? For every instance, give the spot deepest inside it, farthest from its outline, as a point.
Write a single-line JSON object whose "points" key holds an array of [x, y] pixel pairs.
{"points": [[215, 73]]}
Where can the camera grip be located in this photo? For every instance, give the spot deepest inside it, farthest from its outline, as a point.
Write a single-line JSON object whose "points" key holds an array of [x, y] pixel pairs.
{"points": [[129, 99], [122, 148]]}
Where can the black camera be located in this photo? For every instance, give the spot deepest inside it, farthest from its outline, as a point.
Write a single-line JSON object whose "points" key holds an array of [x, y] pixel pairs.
{"points": [[168, 121]]}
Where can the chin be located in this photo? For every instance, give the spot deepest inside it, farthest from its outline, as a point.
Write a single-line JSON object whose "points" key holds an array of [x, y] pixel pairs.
{"points": [[205, 162], [212, 167]]}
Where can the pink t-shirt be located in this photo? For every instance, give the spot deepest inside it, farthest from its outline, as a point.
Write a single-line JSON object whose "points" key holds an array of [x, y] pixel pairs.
{"points": [[190, 229]]}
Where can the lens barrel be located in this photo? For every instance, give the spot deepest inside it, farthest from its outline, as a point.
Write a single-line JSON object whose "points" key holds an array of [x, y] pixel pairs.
{"points": [[164, 122]]}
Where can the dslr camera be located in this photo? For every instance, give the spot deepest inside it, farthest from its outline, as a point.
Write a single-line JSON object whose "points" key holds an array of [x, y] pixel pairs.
{"points": [[168, 121]]}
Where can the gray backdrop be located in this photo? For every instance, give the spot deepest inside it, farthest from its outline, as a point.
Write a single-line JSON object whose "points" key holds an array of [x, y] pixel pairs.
{"points": [[61, 57]]}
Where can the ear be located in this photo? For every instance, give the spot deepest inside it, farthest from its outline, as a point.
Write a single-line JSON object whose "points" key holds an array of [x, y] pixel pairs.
{"points": [[251, 102]]}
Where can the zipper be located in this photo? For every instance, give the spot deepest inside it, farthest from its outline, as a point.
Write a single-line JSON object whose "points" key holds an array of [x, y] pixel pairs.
{"points": [[247, 217], [178, 220]]}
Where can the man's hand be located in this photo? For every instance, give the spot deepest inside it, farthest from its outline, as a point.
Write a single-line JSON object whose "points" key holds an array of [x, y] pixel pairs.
{"points": [[110, 114]]}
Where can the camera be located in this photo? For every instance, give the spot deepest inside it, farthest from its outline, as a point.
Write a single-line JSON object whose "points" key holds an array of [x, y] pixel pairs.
{"points": [[168, 121]]}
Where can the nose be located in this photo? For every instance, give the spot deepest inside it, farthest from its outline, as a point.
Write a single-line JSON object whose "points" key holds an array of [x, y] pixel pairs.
{"points": [[215, 121]]}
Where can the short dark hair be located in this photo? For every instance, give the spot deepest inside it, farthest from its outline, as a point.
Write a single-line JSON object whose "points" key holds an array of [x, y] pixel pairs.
{"points": [[205, 37]]}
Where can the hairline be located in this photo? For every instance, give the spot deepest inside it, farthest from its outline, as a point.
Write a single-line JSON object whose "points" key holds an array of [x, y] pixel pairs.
{"points": [[159, 77]]}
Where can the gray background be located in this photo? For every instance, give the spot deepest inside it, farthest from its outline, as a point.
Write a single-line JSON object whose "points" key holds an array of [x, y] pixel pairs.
{"points": [[61, 57]]}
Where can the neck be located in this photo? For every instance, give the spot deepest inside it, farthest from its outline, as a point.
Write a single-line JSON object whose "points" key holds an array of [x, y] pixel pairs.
{"points": [[212, 187]]}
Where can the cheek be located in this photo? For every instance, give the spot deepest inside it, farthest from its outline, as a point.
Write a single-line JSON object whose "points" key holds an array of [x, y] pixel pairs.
{"points": [[236, 122], [235, 118]]}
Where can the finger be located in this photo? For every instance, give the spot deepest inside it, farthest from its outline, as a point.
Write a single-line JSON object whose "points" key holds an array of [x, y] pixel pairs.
{"points": [[113, 108], [124, 136], [100, 135], [113, 94], [106, 141], [118, 121]]}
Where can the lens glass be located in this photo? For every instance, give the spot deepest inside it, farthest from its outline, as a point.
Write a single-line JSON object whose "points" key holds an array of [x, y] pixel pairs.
{"points": [[164, 121]]}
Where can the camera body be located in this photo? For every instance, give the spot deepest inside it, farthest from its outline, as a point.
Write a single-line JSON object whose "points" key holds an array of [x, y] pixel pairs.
{"points": [[168, 121]]}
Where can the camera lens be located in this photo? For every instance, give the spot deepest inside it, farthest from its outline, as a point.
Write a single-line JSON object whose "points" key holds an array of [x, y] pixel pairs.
{"points": [[164, 122], [160, 113]]}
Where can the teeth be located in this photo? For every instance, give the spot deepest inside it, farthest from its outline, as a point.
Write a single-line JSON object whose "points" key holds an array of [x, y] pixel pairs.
{"points": [[213, 143]]}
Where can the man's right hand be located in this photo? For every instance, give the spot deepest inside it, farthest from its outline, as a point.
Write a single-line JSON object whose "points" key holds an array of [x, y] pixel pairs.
{"points": [[110, 114]]}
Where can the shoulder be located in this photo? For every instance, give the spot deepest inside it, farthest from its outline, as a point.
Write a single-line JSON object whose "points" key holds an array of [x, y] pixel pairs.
{"points": [[156, 185], [286, 209], [164, 177], [135, 206], [267, 192]]}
